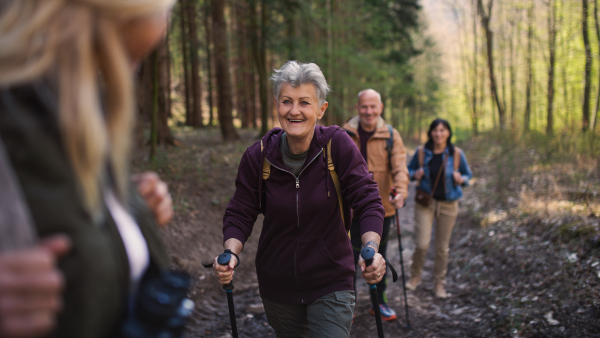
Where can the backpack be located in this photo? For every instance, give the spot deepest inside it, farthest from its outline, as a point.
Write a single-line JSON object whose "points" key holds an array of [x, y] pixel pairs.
{"points": [[266, 172]]}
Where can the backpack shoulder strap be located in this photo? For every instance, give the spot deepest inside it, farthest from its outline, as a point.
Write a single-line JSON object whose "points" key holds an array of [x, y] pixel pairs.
{"points": [[390, 140], [456, 158], [390, 145], [266, 172], [336, 180]]}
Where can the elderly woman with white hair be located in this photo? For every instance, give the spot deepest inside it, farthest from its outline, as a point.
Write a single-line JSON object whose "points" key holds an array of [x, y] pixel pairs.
{"points": [[304, 259]]}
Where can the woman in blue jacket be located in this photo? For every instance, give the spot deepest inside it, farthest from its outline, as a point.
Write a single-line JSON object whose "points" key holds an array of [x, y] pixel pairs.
{"points": [[442, 171]]}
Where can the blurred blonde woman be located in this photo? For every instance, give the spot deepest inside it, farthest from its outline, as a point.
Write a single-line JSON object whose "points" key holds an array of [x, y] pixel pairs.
{"points": [[66, 114]]}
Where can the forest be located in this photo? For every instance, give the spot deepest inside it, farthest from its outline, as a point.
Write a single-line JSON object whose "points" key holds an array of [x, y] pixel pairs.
{"points": [[495, 65], [213, 67], [519, 82]]}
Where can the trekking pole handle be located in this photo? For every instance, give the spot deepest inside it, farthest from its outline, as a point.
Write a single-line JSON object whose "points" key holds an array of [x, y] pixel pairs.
{"points": [[393, 192], [367, 253], [224, 259]]}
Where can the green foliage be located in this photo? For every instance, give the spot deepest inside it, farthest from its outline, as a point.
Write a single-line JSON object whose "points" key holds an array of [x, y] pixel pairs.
{"points": [[510, 27], [358, 44]]}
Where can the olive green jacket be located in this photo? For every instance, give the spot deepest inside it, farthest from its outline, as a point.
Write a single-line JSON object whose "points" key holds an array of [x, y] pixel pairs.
{"points": [[96, 269]]}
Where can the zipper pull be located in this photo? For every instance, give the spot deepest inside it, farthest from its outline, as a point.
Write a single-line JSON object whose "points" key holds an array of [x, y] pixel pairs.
{"points": [[297, 183]]}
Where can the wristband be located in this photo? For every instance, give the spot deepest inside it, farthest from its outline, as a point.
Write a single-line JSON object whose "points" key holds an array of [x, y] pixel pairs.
{"points": [[236, 256]]}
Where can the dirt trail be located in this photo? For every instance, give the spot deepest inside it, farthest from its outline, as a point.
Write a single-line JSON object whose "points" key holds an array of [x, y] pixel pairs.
{"points": [[507, 280]]}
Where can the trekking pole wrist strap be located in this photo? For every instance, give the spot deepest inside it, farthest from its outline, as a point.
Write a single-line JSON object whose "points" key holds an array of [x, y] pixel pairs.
{"points": [[227, 251], [233, 254]]}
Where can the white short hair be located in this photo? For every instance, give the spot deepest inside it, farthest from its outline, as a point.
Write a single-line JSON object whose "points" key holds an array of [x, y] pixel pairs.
{"points": [[369, 90], [297, 73]]}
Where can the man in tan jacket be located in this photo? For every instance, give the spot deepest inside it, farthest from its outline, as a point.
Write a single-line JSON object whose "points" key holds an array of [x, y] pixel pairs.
{"points": [[384, 152]]}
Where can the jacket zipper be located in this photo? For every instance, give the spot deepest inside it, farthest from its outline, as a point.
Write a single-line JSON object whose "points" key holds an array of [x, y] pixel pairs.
{"points": [[297, 209], [297, 177]]}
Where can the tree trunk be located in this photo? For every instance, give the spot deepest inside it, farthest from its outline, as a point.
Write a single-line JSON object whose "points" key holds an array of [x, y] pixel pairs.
{"points": [[588, 69], [260, 59], [264, 82], [143, 98], [251, 81], [196, 120], [168, 70], [527, 115], [475, 113], [154, 114], [330, 113], [493, 110], [290, 28], [598, 37], [186, 72], [164, 133], [502, 55], [551, 66], [513, 77], [225, 103], [241, 73], [485, 22], [209, 65], [564, 85]]}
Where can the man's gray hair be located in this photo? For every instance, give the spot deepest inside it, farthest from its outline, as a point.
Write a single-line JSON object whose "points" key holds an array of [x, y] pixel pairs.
{"points": [[297, 73], [369, 90]]}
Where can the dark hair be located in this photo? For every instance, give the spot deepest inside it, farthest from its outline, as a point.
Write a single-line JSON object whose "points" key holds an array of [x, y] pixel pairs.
{"points": [[434, 124]]}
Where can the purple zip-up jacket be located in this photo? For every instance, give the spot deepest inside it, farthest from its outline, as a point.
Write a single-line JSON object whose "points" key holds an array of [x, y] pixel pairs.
{"points": [[304, 251]]}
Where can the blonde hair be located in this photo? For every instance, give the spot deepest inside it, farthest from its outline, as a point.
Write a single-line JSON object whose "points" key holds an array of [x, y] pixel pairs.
{"points": [[76, 43]]}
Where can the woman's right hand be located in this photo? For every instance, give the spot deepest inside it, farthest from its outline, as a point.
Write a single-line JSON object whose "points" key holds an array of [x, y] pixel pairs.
{"points": [[31, 288], [224, 273], [155, 193], [419, 173]]}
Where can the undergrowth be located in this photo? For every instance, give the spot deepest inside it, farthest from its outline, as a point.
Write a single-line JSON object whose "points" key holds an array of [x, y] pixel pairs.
{"points": [[535, 175]]}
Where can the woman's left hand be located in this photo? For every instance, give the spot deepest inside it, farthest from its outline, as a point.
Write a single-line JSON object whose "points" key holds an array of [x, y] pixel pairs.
{"points": [[374, 272], [156, 194], [458, 177]]}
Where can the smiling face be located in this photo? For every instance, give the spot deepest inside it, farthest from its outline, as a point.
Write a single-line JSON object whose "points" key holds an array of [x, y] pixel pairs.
{"points": [[440, 135], [369, 108], [298, 110]]}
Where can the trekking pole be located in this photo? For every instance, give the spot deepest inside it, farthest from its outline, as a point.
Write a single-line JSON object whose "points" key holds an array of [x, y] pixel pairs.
{"points": [[401, 248], [224, 259], [367, 253]]}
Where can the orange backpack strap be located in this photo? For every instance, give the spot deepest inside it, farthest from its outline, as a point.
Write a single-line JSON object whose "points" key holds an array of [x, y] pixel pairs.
{"points": [[266, 165], [456, 158], [421, 158], [336, 181]]}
